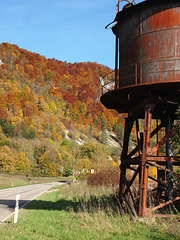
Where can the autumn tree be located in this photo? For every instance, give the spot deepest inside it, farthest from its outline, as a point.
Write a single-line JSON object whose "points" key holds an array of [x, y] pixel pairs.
{"points": [[22, 164], [7, 163], [97, 153], [41, 99], [51, 163]]}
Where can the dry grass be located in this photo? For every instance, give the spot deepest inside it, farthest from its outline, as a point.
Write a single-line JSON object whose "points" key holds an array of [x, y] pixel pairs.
{"points": [[78, 211]]}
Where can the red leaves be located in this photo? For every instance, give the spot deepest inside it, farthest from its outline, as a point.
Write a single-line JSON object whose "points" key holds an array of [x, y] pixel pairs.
{"points": [[71, 82], [69, 97], [3, 113]]}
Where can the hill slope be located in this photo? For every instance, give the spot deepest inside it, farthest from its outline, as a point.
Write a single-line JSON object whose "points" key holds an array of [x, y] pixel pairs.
{"points": [[41, 100]]}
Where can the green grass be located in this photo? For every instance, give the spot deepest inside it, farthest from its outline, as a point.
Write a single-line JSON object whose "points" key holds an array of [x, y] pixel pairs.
{"points": [[81, 212], [6, 180]]}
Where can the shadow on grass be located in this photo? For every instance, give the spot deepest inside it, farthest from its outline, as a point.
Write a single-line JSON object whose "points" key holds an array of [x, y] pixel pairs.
{"points": [[61, 205], [11, 203], [94, 203]]}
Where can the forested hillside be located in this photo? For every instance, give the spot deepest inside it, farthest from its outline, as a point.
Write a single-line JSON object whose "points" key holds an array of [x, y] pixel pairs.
{"points": [[51, 119]]}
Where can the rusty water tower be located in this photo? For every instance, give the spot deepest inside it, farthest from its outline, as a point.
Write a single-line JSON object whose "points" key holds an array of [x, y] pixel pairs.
{"points": [[146, 85]]}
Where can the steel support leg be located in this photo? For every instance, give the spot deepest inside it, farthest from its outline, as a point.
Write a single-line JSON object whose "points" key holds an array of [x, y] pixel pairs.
{"points": [[128, 127], [144, 167], [169, 153]]}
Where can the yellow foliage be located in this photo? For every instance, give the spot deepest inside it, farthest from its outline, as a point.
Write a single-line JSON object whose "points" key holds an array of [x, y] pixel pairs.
{"points": [[42, 104], [6, 160], [5, 150], [40, 133], [4, 52], [153, 172], [7, 163], [114, 164], [27, 89], [22, 163], [51, 119], [18, 113], [14, 54], [82, 108], [23, 94], [17, 67], [57, 136], [51, 162], [50, 169], [83, 165], [62, 126], [52, 106]]}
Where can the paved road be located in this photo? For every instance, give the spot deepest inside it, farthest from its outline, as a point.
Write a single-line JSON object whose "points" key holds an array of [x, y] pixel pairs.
{"points": [[27, 193]]}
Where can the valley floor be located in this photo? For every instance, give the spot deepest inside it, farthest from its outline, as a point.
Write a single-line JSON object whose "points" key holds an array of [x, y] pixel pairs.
{"points": [[78, 211]]}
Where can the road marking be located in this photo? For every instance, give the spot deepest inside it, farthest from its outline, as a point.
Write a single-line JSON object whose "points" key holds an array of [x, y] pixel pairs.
{"points": [[50, 186]]}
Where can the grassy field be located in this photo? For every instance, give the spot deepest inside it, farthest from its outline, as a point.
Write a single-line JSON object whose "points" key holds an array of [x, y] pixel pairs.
{"points": [[7, 180], [82, 212]]}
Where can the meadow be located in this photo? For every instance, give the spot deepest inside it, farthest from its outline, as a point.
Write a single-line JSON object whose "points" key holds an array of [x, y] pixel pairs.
{"points": [[78, 211], [7, 180]]}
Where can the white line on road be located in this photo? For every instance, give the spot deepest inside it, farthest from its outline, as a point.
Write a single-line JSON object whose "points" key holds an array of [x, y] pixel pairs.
{"points": [[24, 191]]}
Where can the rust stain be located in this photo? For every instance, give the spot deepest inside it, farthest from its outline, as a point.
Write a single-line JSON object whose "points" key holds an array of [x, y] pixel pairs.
{"points": [[177, 46], [165, 19]]}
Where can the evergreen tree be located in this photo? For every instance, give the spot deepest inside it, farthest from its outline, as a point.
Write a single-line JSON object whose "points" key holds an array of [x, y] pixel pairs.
{"points": [[118, 129], [24, 131], [95, 122], [103, 136], [91, 130], [31, 134], [103, 123], [28, 134], [8, 128]]}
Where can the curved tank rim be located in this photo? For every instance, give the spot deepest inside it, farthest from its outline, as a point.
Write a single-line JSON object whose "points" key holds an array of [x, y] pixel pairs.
{"points": [[156, 85], [124, 99], [137, 88], [140, 5]]}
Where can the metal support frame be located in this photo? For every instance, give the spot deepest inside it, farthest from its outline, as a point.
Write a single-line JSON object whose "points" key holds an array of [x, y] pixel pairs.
{"points": [[143, 164], [143, 156], [128, 127]]}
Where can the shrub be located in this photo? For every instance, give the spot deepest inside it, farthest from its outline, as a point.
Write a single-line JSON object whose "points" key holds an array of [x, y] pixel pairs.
{"points": [[5, 142], [106, 177]]}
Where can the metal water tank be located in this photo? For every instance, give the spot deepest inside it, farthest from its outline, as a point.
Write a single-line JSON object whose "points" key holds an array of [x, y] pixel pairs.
{"points": [[149, 54], [149, 43]]}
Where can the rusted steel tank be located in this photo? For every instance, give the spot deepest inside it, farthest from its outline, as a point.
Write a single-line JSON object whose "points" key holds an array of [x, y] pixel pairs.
{"points": [[149, 54]]}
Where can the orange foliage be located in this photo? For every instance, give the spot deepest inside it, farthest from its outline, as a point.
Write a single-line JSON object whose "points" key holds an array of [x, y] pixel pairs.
{"points": [[42, 98], [75, 84], [3, 113]]}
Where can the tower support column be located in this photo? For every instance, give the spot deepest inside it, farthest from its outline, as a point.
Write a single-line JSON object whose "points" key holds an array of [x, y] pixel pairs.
{"points": [[128, 127], [143, 163], [169, 164]]}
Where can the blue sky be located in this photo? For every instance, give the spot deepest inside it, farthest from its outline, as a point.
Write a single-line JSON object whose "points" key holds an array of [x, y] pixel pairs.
{"points": [[67, 30]]}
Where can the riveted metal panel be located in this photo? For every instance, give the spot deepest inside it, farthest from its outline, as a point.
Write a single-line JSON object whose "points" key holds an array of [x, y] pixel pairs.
{"points": [[149, 36]]}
